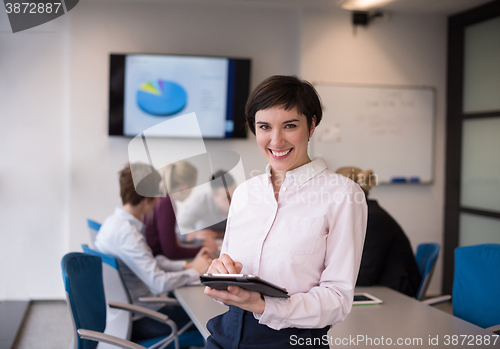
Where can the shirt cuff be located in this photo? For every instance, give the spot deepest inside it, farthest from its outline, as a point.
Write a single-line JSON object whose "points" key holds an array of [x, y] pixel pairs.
{"points": [[273, 315], [221, 303], [178, 265], [193, 274], [258, 316]]}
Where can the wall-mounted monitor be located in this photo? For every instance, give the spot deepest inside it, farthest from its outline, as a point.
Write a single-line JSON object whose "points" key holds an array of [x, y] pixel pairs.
{"points": [[147, 89]]}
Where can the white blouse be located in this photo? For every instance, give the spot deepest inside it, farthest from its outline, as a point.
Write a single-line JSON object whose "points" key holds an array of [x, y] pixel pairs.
{"points": [[310, 242]]}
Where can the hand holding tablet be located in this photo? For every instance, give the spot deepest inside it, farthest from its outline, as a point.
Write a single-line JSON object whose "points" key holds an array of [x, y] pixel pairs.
{"points": [[247, 282]]}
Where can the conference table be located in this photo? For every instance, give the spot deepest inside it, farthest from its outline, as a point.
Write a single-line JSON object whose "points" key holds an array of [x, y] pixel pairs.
{"points": [[400, 321]]}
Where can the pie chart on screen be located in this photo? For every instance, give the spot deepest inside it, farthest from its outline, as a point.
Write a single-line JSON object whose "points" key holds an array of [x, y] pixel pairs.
{"points": [[161, 97]]}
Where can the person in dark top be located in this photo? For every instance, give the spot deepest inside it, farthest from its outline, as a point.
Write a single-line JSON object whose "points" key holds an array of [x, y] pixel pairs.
{"points": [[387, 258], [161, 227], [161, 236]]}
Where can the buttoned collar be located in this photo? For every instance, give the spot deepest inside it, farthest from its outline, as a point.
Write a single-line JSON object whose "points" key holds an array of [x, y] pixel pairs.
{"points": [[130, 217], [303, 173]]}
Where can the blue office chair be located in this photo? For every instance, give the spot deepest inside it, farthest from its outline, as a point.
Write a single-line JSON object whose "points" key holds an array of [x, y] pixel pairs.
{"points": [[426, 258], [476, 285], [82, 275], [93, 229], [119, 322]]}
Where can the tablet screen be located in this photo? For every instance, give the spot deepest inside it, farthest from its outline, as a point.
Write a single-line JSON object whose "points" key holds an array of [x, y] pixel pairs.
{"points": [[360, 298], [365, 298], [248, 282]]}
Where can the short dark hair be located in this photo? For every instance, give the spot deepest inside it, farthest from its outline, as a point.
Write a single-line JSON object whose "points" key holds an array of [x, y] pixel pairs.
{"points": [[148, 186], [219, 184], [287, 91]]}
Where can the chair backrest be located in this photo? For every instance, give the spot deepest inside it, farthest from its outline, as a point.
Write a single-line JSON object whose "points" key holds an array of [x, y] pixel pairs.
{"points": [[82, 275], [93, 229], [426, 257], [119, 322], [114, 286], [476, 284]]}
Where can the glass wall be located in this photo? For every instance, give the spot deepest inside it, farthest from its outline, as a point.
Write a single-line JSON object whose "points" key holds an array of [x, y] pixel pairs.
{"points": [[480, 177], [480, 153], [482, 67], [475, 229]]}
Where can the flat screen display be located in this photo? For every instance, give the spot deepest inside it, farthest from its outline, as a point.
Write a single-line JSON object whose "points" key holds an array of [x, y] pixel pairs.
{"points": [[146, 90]]}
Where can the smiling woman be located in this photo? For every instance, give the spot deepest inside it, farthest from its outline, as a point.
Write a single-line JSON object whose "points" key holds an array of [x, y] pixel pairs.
{"points": [[282, 136], [299, 226], [283, 112]]}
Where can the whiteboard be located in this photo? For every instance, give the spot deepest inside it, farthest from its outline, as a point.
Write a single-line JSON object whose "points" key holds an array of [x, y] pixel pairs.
{"points": [[387, 129]]}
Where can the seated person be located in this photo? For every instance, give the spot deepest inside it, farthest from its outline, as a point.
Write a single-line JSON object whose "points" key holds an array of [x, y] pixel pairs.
{"points": [[161, 227], [121, 235], [387, 258], [206, 216]]}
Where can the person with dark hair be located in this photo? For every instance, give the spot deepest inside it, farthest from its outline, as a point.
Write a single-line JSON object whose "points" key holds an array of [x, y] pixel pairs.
{"points": [[388, 258], [121, 235], [206, 216], [299, 226], [288, 93]]}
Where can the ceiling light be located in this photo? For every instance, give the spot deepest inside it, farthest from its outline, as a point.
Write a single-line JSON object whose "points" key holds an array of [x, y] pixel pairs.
{"points": [[363, 5]]}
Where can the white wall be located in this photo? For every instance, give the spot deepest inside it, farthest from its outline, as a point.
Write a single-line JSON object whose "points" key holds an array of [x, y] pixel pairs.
{"points": [[59, 166], [238, 30], [33, 165], [405, 50]]}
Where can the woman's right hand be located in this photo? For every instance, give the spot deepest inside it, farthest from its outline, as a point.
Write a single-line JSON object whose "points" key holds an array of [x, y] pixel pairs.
{"points": [[248, 300], [225, 265]]}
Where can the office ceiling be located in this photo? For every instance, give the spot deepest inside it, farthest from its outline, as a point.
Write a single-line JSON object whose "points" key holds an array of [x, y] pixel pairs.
{"points": [[443, 7], [437, 7]]}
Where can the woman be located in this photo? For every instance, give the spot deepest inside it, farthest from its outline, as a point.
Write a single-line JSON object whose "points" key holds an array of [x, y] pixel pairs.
{"points": [[299, 225], [161, 227]]}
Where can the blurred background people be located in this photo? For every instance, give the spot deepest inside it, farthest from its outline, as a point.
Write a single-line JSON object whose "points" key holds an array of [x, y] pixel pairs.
{"points": [[161, 228], [121, 235], [206, 216], [388, 258]]}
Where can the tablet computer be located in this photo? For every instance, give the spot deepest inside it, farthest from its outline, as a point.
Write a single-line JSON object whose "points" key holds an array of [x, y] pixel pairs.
{"points": [[365, 299], [245, 281]]}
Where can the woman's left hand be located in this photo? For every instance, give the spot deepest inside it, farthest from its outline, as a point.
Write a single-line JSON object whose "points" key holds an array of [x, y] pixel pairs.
{"points": [[244, 299]]}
